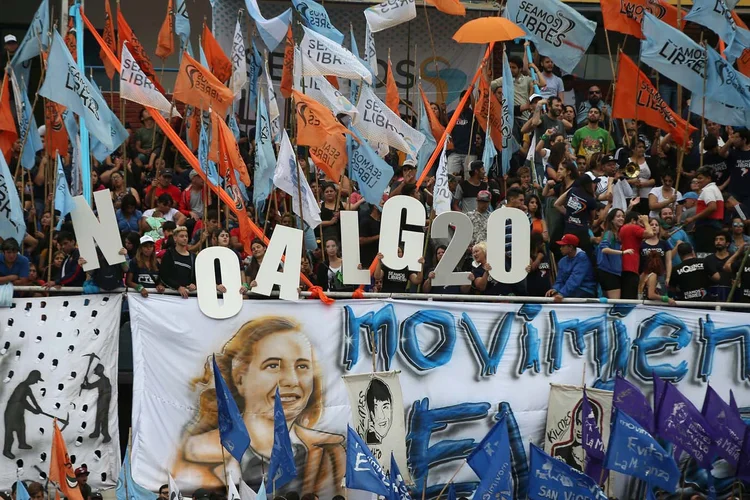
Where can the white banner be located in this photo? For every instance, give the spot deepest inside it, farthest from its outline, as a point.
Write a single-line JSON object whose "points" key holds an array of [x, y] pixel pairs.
{"points": [[136, 86], [377, 416], [287, 177], [58, 359], [239, 61], [321, 57], [442, 196], [379, 124], [390, 13], [322, 91]]}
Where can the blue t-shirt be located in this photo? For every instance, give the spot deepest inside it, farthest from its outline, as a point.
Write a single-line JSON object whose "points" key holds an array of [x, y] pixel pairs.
{"points": [[609, 263], [20, 267]]}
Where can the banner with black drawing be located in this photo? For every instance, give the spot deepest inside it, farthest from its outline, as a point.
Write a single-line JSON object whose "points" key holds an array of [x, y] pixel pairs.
{"points": [[58, 359]]}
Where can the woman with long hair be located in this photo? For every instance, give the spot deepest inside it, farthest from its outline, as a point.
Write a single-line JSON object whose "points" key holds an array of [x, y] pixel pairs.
{"points": [[738, 238], [266, 354], [330, 225], [651, 287], [644, 182], [538, 280], [538, 224], [657, 244], [257, 251], [567, 174], [609, 256], [439, 113], [330, 270], [127, 215], [143, 273], [120, 189], [220, 238]]}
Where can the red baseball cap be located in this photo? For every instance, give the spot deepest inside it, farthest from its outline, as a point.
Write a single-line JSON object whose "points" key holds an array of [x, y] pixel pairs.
{"points": [[569, 239], [82, 471]]}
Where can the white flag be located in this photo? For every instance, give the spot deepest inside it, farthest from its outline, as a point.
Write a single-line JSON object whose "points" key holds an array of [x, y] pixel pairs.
{"points": [[174, 491], [290, 178], [322, 91], [371, 55], [246, 492], [233, 493], [135, 86], [273, 107], [379, 124], [441, 195], [322, 57], [239, 62], [387, 15]]}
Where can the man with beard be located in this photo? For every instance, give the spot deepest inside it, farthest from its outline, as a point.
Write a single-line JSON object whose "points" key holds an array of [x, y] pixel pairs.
{"points": [[714, 263], [553, 84], [540, 124], [676, 236], [594, 101], [592, 138]]}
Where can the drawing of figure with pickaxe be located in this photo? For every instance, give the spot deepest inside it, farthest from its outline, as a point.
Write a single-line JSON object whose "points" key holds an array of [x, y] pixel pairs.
{"points": [[21, 400], [103, 399]]}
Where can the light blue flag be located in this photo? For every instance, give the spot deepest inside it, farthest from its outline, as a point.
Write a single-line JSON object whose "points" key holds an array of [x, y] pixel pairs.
{"points": [[370, 171], [262, 495], [491, 461], [208, 166], [315, 17], [233, 126], [725, 84], [557, 29], [429, 144], [740, 43], [21, 492], [127, 488], [66, 85], [272, 31], [30, 45], [12, 223], [71, 126], [232, 430], [714, 15], [490, 153], [119, 133], [254, 69], [672, 53], [281, 468], [354, 84], [63, 199], [27, 126], [510, 145], [363, 471], [265, 160], [553, 478], [182, 22]]}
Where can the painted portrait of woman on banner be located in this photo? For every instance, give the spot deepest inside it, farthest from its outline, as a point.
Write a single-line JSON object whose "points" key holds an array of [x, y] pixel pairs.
{"points": [[265, 353]]}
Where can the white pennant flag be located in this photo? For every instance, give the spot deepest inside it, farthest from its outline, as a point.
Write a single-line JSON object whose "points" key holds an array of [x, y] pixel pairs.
{"points": [[135, 86], [322, 91], [239, 62], [246, 492], [273, 107], [233, 493], [174, 491], [379, 124], [371, 55], [290, 178], [387, 15], [441, 194], [324, 57]]}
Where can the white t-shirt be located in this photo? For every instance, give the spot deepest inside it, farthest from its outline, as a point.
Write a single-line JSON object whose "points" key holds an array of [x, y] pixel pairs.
{"points": [[657, 191], [168, 216], [554, 86], [644, 176]]}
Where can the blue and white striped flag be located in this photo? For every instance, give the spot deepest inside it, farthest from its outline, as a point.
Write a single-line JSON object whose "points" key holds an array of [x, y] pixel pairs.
{"points": [[273, 30]]}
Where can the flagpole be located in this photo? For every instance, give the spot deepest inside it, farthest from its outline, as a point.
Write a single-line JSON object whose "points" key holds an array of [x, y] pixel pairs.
{"points": [[463, 462], [681, 151], [434, 54], [164, 142], [703, 110], [224, 464]]}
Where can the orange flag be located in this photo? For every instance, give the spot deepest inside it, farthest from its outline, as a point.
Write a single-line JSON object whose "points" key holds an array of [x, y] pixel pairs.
{"points": [[287, 74], [165, 39], [437, 128], [196, 86], [70, 39], [452, 7], [8, 132], [126, 34], [60, 467], [319, 129], [624, 16], [391, 91], [109, 38], [56, 136], [333, 81], [218, 62], [230, 158], [488, 103], [192, 128], [635, 96]]}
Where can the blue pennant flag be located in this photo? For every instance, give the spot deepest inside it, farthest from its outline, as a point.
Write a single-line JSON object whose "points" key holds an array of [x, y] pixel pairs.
{"points": [[315, 17], [510, 145], [363, 471], [429, 144], [208, 166], [629, 398], [265, 158], [714, 15], [727, 426], [592, 443], [127, 488], [36, 38], [262, 495], [27, 127], [21, 492], [634, 452], [490, 460], [672, 53], [370, 171], [282, 468], [572, 36], [232, 430], [553, 478], [725, 84], [119, 133], [63, 200], [254, 70], [399, 490]]}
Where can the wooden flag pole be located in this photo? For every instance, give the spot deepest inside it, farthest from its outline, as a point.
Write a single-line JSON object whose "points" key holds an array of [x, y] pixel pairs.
{"points": [[463, 462]]}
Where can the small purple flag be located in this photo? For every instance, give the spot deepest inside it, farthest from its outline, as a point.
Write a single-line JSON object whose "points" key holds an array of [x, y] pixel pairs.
{"points": [[743, 464], [727, 428], [659, 386], [733, 404], [679, 421], [628, 398], [592, 442]]}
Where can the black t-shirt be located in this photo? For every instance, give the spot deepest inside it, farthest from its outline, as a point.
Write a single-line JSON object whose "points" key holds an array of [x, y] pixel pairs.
{"points": [[691, 278], [661, 247], [395, 281], [368, 227], [739, 185], [578, 208], [142, 276], [742, 294], [493, 287], [538, 281], [716, 265], [461, 134], [720, 166]]}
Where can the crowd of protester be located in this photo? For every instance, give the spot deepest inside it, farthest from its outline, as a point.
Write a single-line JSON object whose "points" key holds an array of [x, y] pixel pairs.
{"points": [[615, 208]]}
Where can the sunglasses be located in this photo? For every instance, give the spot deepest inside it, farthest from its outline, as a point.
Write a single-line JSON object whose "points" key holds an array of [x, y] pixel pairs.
{"points": [[737, 224], [595, 91]]}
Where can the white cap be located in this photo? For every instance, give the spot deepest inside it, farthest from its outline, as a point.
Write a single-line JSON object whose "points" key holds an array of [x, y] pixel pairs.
{"points": [[42, 130], [146, 239], [10, 38], [534, 96]]}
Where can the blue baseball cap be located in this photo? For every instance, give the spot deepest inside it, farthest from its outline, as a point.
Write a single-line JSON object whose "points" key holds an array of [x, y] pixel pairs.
{"points": [[688, 196]]}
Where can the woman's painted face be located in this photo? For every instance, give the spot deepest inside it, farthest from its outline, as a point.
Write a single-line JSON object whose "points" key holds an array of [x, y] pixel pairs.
{"points": [[258, 250], [223, 239], [331, 248], [282, 360]]}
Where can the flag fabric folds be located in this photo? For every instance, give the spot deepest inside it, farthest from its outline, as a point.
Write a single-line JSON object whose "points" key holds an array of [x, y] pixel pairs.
{"points": [[322, 91], [108, 35], [491, 461], [272, 31], [21, 493], [636, 97], [35, 40], [430, 143], [12, 222], [174, 490], [389, 14], [370, 171], [165, 38], [125, 34], [438, 129], [441, 194], [391, 90], [196, 86], [450, 7], [239, 79], [381, 125], [135, 85], [489, 113], [128, 489], [724, 83], [230, 159], [246, 492], [628, 397], [60, 468], [208, 166], [281, 468], [363, 471], [714, 15], [254, 71], [743, 464], [232, 431], [290, 178], [8, 133], [118, 133], [76, 93], [265, 161], [218, 62], [399, 490], [182, 24], [593, 443], [287, 72], [315, 17], [322, 57], [557, 29], [510, 145], [727, 426], [488, 154], [625, 16], [29, 132], [550, 476], [56, 137], [63, 199], [371, 56], [633, 451], [739, 49], [273, 106]]}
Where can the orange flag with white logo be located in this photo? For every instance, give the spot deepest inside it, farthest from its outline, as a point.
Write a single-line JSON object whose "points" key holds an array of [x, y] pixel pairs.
{"points": [[636, 97], [624, 16], [230, 158], [391, 90], [60, 467], [108, 34], [165, 39], [56, 136], [125, 34], [218, 62], [326, 136], [287, 74], [196, 86], [8, 132], [452, 7], [489, 108]]}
